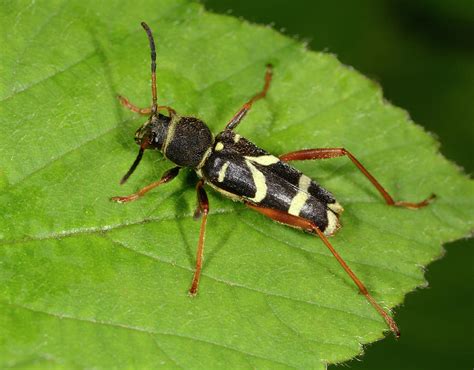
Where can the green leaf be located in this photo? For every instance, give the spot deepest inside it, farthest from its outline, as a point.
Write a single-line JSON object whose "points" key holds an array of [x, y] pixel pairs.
{"points": [[89, 283]]}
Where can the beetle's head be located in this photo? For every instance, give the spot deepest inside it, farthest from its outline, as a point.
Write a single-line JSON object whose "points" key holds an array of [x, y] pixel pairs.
{"points": [[151, 135]]}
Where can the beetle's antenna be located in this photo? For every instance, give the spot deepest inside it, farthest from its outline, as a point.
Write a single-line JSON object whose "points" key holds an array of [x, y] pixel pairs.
{"points": [[154, 107], [134, 166]]}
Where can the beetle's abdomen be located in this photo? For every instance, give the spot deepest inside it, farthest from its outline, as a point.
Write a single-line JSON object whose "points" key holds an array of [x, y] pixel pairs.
{"points": [[241, 170], [187, 142]]}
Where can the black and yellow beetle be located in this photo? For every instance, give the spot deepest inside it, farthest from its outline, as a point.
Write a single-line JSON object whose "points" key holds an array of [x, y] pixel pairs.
{"points": [[240, 170]]}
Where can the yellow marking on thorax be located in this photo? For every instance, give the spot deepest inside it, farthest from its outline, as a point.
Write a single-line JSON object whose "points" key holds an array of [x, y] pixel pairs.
{"points": [[169, 136], [237, 138], [222, 172], [259, 182], [301, 197], [264, 160], [219, 146]]}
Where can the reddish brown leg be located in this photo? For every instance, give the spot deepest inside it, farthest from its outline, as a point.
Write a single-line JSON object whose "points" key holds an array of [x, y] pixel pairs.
{"points": [[246, 107], [126, 103], [304, 224], [143, 111], [167, 177], [324, 153], [201, 211]]}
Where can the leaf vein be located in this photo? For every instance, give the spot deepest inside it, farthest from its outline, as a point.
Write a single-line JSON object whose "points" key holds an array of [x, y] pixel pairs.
{"points": [[139, 329], [238, 285], [328, 255], [91, 54]]}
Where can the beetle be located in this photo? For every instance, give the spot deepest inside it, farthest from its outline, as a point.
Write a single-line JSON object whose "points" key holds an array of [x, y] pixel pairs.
{"points": [[240, 170]]}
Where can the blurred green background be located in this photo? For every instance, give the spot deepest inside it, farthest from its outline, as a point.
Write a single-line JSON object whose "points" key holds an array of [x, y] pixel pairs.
{"points": [[422, 54]]}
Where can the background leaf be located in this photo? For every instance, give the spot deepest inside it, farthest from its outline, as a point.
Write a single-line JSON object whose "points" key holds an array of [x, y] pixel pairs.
{"points": [[90, 283]]}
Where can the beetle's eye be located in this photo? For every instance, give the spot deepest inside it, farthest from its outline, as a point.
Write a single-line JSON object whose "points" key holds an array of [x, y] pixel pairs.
{"points": [[142, 133], [138, 138]]}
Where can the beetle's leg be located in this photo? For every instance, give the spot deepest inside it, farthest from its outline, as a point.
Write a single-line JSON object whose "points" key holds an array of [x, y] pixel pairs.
{"points": [[309, 226], [324, 153], [143, 111], [167, 177], [201, 211], [170, 110], [126, 103], [246, 107]]}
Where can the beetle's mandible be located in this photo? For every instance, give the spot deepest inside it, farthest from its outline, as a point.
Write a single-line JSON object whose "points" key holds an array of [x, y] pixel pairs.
{"points": [[238, 169]]}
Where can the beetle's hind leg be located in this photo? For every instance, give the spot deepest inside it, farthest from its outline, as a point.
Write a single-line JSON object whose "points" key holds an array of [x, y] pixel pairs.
{"points": [[324, 153], [246, 107], [302, 223]]}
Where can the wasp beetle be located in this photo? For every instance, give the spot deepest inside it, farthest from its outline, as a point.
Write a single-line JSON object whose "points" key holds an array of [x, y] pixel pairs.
{"points": [[240, 170]]}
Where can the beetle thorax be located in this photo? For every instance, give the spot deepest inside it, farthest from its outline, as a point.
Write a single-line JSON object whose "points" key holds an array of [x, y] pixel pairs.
{"points": [[188, 141]]}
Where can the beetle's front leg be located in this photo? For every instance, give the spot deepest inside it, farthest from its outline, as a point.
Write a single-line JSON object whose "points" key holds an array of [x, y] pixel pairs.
{"points": [[126, 103], [143, 111], [167, 177], [325, 153], [202, 211]]}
